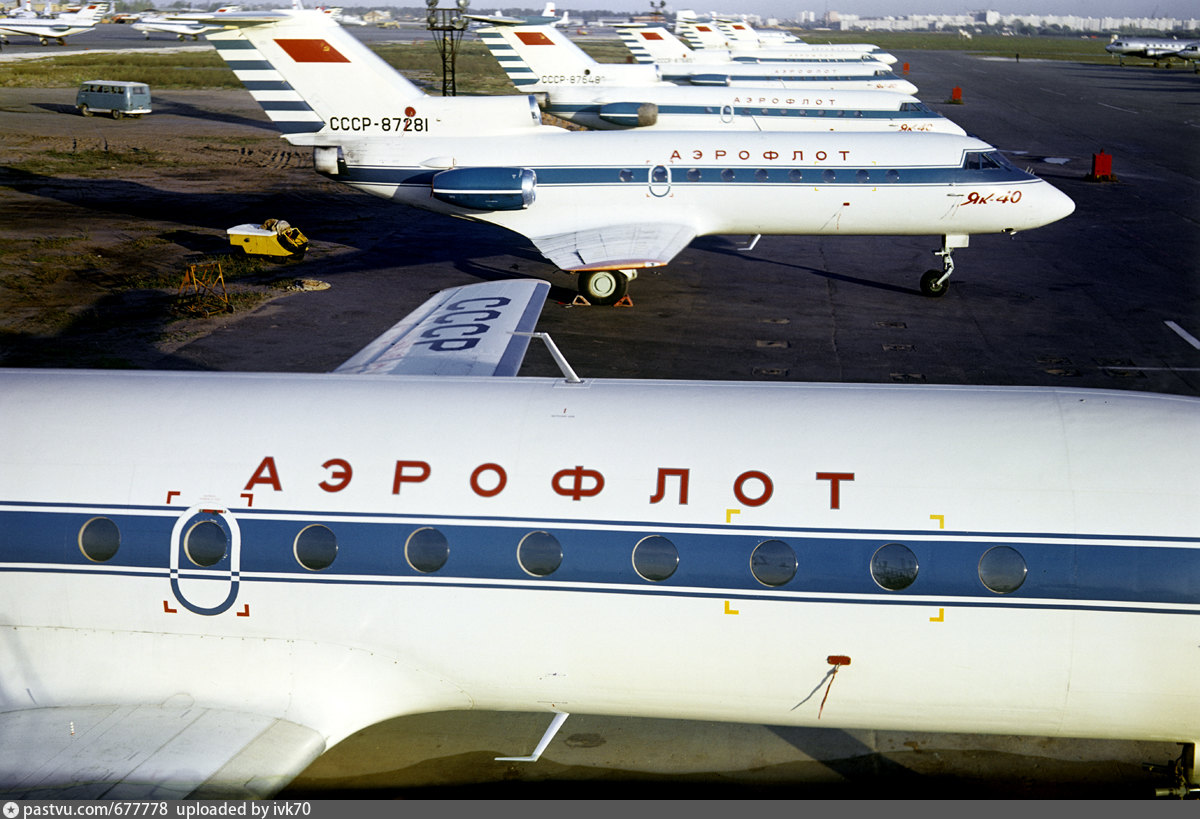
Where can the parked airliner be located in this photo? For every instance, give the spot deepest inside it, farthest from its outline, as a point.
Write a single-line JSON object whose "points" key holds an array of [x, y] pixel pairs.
{"points": [[604, 204], [182, 29], [190, 607], [548, 17], [743, 42], [677, 63], [1158, 49], [569, 84], [57, 28]]}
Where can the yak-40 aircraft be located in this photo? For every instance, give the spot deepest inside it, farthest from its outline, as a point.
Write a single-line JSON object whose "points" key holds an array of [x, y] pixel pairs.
{"points": [[606, 205], [743, 42], [198, 615], [569, 84], [679, 64]]}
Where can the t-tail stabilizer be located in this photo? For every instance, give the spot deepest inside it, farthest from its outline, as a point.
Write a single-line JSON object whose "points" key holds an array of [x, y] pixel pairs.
{"points": [[534, 57], [313, 78]]}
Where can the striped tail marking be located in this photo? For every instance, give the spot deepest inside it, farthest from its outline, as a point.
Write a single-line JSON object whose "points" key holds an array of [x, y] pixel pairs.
{"points": [[633, 41], [283, 105], [518, 71]]}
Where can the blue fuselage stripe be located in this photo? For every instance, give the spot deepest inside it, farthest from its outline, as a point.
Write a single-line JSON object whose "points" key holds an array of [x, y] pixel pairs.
{"points": [[1147, 574]]}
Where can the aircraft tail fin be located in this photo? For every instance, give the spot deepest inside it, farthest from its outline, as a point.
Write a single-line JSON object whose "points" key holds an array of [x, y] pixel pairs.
{"points": [[529, 54], [702, 35], [321, 86], [655, 45], [305, 70]]}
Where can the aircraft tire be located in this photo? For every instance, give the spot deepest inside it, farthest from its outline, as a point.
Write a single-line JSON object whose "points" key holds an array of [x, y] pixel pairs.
{"points": [[930, 286], [604, 287]]}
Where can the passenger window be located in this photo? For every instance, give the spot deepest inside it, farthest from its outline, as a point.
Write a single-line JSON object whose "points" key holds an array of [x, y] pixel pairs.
{"points": [[539, 553], [693, 175], [727, 175], [894, 567], [99, 539], [626, 175], [761, 175], [316, 547], [205, 544], [892, 176], [426, 550], [862, 175], [795, 175], [828, 175], [659, 174], [773, 563], [655, 558], [1002, 569]]}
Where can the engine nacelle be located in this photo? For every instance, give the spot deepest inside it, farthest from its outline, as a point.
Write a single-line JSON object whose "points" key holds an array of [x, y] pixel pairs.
{"points": [[708, 79], [486, 188], [630, 114]]}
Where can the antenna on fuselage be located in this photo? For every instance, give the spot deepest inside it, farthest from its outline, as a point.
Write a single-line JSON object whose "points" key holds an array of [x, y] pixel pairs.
{"points": [[558, 357]]}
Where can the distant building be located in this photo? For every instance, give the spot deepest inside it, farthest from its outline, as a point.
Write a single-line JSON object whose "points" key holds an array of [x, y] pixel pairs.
{"points": [[992, 19]]}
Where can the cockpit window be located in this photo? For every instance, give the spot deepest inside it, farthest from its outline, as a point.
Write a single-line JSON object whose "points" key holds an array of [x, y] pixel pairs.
{"points": [[984, 161]]}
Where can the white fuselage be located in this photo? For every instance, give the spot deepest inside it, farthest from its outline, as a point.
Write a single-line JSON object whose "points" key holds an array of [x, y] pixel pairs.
{"points": [[693, 108], [43, 29], [714, 185], [1096, 492]]}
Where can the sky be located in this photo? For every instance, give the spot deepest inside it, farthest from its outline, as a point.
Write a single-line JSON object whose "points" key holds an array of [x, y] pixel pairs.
{"points": [[880, 8]]}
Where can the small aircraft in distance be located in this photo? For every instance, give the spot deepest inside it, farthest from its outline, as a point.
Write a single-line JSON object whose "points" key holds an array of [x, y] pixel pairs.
{"points": [[202, 616], [182, 29], [50, 28], [1159, 49], [743, 42], [572, 86], [548, 17], [679, 64], [599, 203]]}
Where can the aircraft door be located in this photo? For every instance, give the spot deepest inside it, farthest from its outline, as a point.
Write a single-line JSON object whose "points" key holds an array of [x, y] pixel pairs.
{"points": [[205, 560], [660, 180]]}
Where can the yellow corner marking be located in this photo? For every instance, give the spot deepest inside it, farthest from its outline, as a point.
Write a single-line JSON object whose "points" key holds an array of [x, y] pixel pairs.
{"points": [[941, 618], [729, 513], [729, 610], [941, 519]]}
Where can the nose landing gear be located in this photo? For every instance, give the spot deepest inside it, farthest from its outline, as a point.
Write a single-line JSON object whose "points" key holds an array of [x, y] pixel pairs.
{"points": [[935, 283]]}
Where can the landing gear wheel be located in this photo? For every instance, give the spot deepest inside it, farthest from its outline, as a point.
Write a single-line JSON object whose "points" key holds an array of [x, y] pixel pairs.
{"points": [[930, 286], [604, 287]]}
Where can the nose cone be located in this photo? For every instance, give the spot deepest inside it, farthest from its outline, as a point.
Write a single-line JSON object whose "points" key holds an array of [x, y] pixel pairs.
{"points": [[901, 86], [1057, 204]]}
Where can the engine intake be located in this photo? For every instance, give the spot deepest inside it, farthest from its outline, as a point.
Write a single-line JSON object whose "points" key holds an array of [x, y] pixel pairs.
{"points": [[630, 114], [486, 188]]}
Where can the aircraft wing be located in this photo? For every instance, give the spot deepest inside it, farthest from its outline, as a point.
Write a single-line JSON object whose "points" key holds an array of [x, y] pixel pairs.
{"points": [[496, 20], [468, 330], [149, 752], [616, 247]]}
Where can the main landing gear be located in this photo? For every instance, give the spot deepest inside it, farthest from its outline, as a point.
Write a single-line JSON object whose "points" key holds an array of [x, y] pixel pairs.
{"points": [[1181, 773], [935, 283], [605, 287]]}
